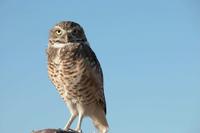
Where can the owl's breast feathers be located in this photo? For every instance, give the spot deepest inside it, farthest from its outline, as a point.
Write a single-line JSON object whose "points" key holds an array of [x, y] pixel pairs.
{"points": [[77, 74]]}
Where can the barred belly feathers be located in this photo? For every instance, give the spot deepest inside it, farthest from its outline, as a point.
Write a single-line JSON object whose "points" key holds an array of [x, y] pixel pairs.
{"points": [[76, 73]]}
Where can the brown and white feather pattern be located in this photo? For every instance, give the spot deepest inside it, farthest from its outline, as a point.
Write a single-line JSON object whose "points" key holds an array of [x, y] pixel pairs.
{"points": [[77, 74]]}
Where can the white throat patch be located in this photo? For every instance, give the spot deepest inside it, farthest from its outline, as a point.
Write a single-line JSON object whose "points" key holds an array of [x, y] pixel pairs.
{"points": [[59, 45]]}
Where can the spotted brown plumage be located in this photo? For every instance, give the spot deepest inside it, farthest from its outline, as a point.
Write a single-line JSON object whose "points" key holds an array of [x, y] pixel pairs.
{"points": [[77, 75]]}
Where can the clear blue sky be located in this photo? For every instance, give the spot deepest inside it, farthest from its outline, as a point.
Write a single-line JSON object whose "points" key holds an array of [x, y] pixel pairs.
{"points": [[149, 51]]}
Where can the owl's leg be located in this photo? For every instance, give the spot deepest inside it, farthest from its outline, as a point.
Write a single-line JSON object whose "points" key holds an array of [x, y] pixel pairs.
{"points": [[78, 127], [71, 119]]}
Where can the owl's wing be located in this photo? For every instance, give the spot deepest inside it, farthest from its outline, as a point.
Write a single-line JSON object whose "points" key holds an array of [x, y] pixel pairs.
{"points": [[97, 74]]}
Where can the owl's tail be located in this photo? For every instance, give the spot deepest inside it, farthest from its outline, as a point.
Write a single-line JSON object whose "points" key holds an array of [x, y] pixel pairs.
{"points": [[100, 122]]}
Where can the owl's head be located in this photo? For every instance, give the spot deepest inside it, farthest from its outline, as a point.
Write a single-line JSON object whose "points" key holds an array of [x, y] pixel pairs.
{"points": [[66, 32]]}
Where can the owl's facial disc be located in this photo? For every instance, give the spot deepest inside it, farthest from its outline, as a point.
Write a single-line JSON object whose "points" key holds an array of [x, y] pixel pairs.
{"points": [[57, 37], [66, 32]]}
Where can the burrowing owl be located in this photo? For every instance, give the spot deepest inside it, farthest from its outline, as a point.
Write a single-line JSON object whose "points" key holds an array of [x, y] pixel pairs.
{"points": [[77, 75]]}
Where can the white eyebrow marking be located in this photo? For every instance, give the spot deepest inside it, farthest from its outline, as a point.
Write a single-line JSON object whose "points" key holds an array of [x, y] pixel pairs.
{"points": [[57, 27]]}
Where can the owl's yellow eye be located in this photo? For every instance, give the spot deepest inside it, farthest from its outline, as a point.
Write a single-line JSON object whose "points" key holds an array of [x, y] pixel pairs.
{"points": [[58, 32]]}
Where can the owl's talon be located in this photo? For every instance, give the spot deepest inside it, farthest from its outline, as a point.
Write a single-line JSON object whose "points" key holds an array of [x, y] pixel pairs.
{"points": [[79, 131], [68, 129]]}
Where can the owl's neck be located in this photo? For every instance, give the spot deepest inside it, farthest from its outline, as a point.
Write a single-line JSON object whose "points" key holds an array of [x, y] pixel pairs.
{"points": [[67, 48]]}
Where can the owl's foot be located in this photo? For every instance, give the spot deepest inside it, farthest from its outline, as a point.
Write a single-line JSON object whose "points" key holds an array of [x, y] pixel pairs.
{"points": [[71, 130], [78, 130], [67, 128]]}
